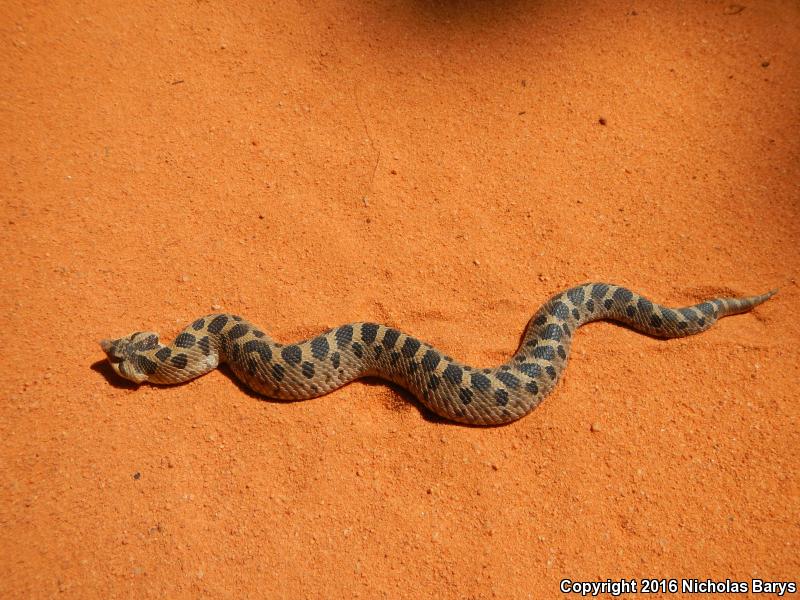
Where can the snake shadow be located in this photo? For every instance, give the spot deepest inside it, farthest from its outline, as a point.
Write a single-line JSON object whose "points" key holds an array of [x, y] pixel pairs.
{"points": [[402, 400], [103, 368]]}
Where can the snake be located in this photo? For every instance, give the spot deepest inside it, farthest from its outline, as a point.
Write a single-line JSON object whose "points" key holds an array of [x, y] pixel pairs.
{"points": [[448, 387]]}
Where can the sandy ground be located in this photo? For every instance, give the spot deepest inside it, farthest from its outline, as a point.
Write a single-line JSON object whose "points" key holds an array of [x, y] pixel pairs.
{"points": [[443, 167]]}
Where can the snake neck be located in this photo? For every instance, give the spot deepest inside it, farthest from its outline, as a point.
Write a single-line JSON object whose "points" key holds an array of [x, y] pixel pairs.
{"points": [[181, 365], [187, 357]]}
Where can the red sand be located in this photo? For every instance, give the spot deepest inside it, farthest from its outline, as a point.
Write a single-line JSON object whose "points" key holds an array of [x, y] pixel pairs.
{"points": [[439, 166]]}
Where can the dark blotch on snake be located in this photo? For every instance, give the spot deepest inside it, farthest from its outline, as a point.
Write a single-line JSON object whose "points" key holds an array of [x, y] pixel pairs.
{"points": [[576, 295], [434, 382], [560, 311], [292, 354], [278, 372], [185, 340], [670, 316], [198, 325], [237, 331], [410, 347], [552, 332], [530, 369], [343, 335], [264, 351], [544, 352], [163, 354], [431, 359], [561, 352], [378, 350], [319, 347], [150, 342], [655, 321], [368, 332], [590, 305], [465, 395], [390, 338], [257, 333], [179, 361], [599, 290], [509, 380], [358, 350], [308, 370], [145, 365], [394, 357], [630, 311], [480, 382], [217, 323], [706, 308], [645, 306], [205, 345], [540, 320], [576, 314], [551, 371], [623, 295], [532, 387], [453, 374], [608, 303], [335, 360], [501, 397]]}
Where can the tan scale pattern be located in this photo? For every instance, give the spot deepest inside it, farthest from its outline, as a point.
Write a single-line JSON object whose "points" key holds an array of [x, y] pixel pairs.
{"points": [[456, 391]]}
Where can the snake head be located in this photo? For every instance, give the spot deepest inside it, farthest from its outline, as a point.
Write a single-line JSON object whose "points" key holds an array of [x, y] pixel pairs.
{"points": [[127, 354]]}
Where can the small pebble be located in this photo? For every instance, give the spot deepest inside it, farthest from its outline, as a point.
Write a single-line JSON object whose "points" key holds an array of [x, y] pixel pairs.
{"points": [[595, 427]]}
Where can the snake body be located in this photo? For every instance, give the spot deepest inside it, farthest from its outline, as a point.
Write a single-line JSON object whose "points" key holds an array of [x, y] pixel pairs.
{"points": [[454, 390]]}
